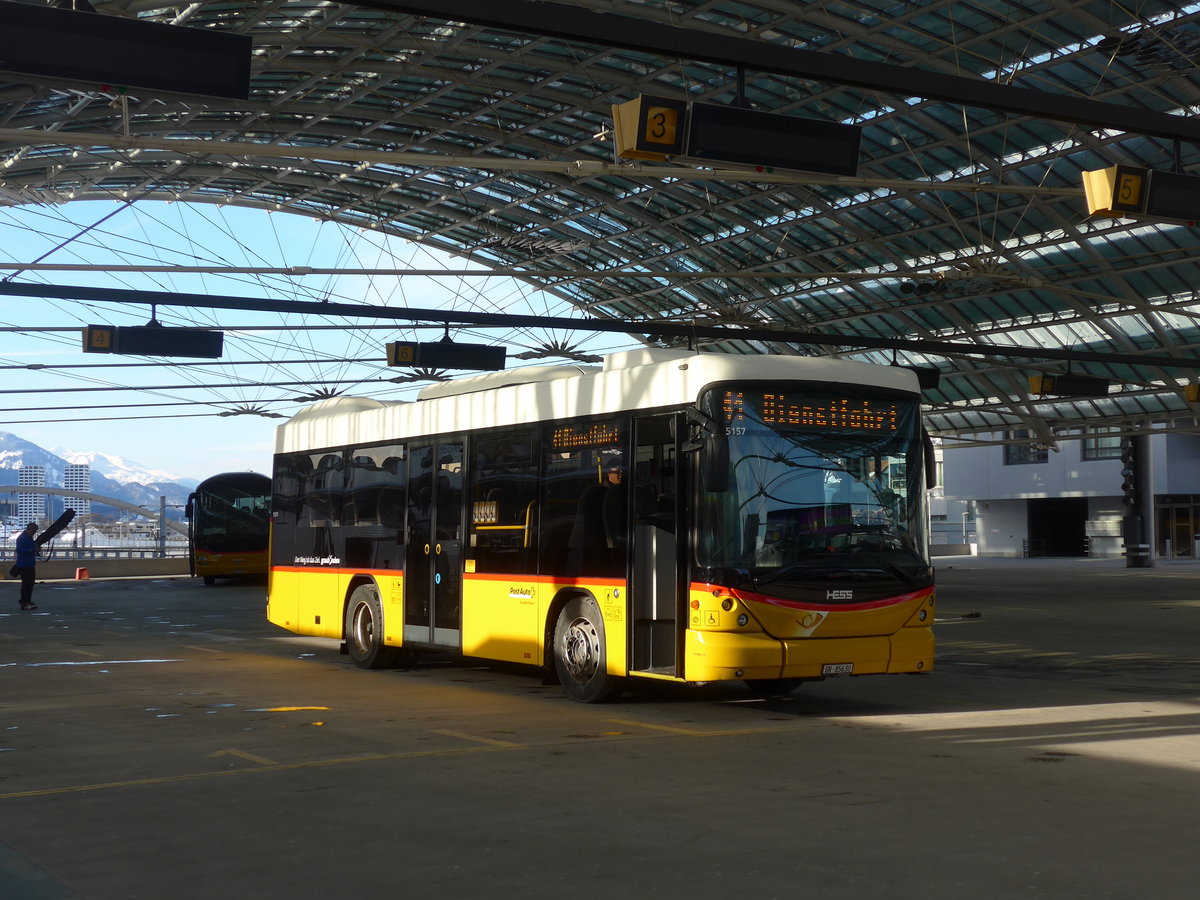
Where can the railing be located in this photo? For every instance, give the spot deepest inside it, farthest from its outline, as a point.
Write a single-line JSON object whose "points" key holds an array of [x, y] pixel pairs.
{"points": [[84, 553]]}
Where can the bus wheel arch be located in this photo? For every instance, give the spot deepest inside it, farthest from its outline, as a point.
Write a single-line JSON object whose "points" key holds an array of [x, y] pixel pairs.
{"points": [[363, 628], [578, 653]]}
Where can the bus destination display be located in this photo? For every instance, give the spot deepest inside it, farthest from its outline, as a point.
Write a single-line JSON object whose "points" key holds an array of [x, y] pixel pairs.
{"points": [[817, 414], [571, 437]]}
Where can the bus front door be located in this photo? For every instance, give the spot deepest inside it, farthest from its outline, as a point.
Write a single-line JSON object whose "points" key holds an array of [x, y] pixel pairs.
{"points": [[433, 564], [656, 591]]}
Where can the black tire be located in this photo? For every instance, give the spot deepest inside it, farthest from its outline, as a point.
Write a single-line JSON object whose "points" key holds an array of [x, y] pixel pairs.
{"points": [[210, 579], [579, 654], [772, 687], [363, 630]]}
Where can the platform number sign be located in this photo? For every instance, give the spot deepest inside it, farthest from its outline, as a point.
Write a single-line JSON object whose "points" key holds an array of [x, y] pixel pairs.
{"points": [[1129, 192], [99, 339], [401, 353], [662, 125], [651, 128]]}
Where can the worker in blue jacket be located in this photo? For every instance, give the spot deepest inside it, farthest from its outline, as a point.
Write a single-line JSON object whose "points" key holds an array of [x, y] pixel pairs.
{"points": [[26, 565]]}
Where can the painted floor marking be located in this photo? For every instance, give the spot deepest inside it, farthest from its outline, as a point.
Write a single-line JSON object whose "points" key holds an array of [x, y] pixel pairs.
{"points": [[491, 742], [280, 767], [242, 754], [690, 732], [98, 662], [483, 745]]}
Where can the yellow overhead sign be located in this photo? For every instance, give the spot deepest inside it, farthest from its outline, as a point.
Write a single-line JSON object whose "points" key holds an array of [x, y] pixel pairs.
{"points": [[1131, 192]]}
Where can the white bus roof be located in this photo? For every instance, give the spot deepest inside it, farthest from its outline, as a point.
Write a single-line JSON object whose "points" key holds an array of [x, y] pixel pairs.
{"points": [[637, 379]]}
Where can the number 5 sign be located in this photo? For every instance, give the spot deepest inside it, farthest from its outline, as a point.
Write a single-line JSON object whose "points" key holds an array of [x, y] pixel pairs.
{"points": [[1129, 191]]}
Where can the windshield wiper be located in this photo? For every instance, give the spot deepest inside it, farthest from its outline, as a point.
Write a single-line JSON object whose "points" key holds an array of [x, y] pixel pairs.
{"points": [[884, 566], [795, 568], [908, 579]]}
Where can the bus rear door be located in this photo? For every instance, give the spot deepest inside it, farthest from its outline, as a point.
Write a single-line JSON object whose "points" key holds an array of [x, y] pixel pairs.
{"points": [[433, 570]]}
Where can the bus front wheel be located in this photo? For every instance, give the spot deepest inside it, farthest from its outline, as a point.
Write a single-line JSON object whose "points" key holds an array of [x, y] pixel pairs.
{"points": [[579, 656], [364, 630]]}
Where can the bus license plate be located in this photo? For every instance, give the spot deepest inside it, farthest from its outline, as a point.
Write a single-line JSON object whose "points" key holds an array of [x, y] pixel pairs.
{"points": [[837, 669]]}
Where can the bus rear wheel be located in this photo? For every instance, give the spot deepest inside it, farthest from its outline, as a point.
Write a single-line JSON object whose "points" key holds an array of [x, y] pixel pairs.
{"points": [[364, 630], [579, 656]]}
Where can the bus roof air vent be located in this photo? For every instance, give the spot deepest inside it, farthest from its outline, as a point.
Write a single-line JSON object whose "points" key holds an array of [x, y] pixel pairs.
{"points": [[338, 405], [507, 378], [644, 356]]}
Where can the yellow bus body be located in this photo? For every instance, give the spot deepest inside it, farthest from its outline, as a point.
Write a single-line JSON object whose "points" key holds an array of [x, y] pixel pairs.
{"points": [[215, 564], [508, 619]]}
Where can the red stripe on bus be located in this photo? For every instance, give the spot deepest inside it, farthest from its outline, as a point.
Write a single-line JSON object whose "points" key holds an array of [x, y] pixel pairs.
{"points": [[751, 597], [469, 576], [544, 579], [332, 570]]}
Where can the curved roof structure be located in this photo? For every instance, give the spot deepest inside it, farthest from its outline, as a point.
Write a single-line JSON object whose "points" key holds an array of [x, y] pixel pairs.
{"points": [[486, 129]]}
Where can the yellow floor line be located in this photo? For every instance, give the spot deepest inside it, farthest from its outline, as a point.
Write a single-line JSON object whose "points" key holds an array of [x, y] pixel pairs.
{"points": [[479, 740], [283, 767]]}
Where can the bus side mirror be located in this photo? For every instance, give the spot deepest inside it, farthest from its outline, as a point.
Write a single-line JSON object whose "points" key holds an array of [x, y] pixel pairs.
{"points": [[187, 510], [930, 460], [708, 437]]}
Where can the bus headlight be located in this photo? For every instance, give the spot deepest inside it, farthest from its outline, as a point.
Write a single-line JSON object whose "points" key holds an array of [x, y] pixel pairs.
{"points": [[743, 619]]}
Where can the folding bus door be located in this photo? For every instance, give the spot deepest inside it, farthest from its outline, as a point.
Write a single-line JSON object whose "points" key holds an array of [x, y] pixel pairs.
{"points": [[656, 591], [433, 570]]}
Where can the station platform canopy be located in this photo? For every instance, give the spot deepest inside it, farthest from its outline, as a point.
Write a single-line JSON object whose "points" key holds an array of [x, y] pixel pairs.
{"points": [[962, 243]]}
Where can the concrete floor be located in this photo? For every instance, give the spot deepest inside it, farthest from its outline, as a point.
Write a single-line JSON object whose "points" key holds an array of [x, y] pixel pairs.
{"points": [[159, 739]]}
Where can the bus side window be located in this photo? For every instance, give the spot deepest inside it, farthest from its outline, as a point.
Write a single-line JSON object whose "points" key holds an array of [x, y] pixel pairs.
{"points": [[585, 500], [503, 502], [373, 508], [285, 506], [391, 493], [322, 505]]}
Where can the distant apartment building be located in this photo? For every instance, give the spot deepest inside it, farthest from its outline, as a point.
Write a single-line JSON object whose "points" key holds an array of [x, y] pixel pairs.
{"points": [[31, 507], [78, 477]]}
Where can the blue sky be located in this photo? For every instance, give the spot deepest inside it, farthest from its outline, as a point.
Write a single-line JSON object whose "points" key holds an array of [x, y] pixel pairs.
{"points": [[183, 433]]}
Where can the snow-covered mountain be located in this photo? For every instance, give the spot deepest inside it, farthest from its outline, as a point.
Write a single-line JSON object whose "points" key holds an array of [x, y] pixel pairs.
{"points": [[119, 469], [111, 476]]}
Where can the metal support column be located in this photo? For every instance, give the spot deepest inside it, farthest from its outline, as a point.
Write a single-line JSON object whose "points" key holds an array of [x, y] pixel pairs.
{"points": [[162, 527], [1138, 486]]}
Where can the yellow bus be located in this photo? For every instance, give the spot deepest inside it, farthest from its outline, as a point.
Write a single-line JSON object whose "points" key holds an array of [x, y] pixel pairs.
{"points": [[228, 526], [679, 516]]}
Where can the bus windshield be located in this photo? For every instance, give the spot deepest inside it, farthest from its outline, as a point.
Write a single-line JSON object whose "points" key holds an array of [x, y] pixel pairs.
{"points": [[233, 515], [821, 482]]}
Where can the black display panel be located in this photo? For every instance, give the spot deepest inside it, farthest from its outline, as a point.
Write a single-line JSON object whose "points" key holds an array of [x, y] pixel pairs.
{"points": [[42, 42], [765, 139]]}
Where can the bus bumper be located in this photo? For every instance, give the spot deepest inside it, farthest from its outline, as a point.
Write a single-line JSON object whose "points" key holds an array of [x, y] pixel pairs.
{"points": [[725, 656]]}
